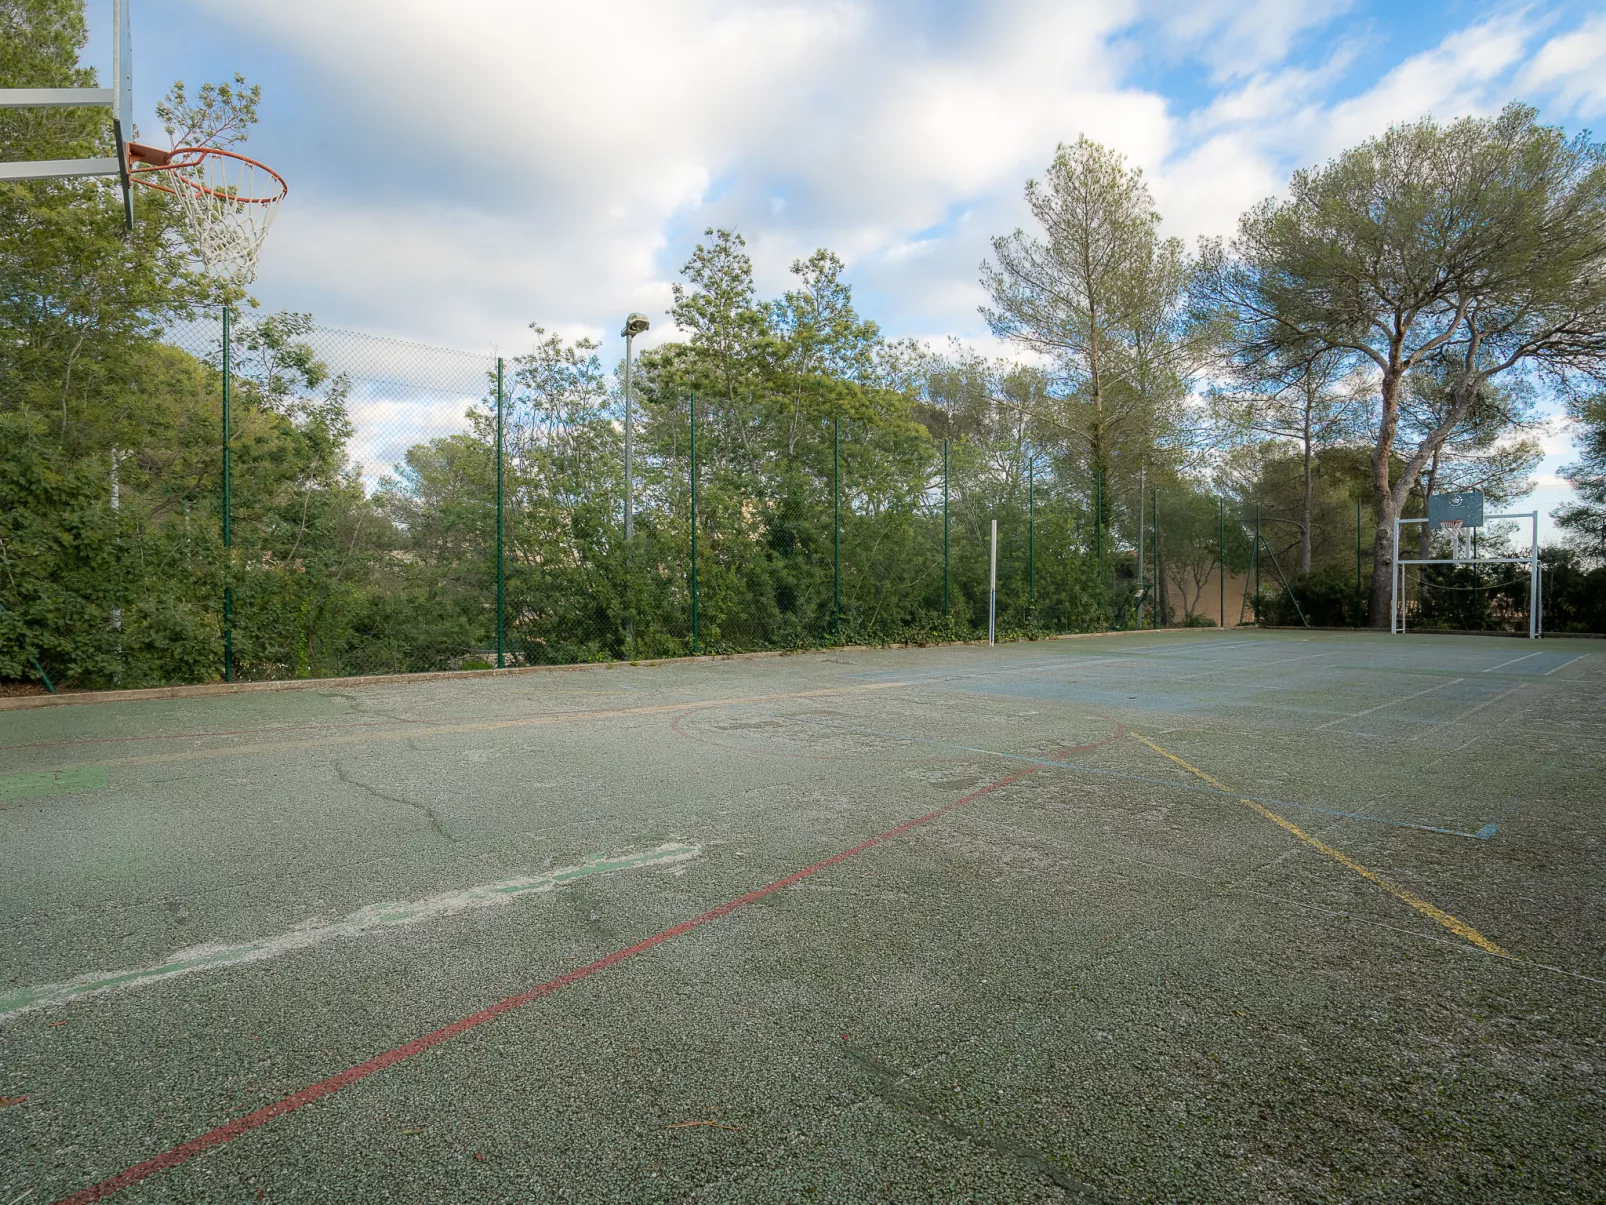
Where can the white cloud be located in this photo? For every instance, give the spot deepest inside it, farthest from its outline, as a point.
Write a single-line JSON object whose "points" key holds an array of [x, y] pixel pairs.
{"points": [[1238, 38], [1469, 72], [555, 162], [1572, 68]]}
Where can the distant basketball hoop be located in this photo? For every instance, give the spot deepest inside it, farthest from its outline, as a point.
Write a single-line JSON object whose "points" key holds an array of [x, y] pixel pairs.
{"points": [[228, 201], [1458, 516]]}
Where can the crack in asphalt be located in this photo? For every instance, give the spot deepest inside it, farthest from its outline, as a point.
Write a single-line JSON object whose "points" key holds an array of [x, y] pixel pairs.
{"points": [[429, 812]]}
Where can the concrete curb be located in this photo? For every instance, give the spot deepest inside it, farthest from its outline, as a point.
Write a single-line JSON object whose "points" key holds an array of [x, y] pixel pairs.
{"points": [[76, 698]]}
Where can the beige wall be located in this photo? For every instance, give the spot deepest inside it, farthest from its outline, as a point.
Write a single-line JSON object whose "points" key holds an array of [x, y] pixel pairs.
{"points": [[1209, 602]]}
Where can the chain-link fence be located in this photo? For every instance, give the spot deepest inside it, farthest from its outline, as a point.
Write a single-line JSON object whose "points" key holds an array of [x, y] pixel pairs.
{"points": [[283, 500]]}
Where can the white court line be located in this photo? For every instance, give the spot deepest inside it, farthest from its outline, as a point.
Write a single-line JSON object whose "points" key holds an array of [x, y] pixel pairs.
{"points": [[373, 919], [1457, 719], [1564, 665], [1503, 664], [1406, 699], [1257, 665]]}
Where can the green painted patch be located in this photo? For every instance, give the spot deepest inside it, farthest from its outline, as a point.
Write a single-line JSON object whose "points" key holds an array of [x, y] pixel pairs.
{"points": [[53, 782]]}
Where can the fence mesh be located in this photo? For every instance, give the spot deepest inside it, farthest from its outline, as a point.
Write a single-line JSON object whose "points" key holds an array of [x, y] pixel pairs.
{"points": [[388, 507]]}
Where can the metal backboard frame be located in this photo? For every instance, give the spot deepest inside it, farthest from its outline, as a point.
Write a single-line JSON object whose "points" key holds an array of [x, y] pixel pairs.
{"points": [[1397, 601], [119, 98]]}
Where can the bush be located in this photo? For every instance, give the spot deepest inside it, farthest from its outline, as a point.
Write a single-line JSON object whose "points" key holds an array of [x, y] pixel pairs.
{"points": [[1327, 598]]}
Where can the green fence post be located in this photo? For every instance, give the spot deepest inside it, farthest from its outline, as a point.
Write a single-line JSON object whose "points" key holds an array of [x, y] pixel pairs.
{"points": [[1031, 534], [694, 525], [1158, 606], [1477, 578], [1257, 562], [836, 528], [1221, 556], [1357, 562], [228, 532], [945, 613], [501, 643], [1098, 518]]}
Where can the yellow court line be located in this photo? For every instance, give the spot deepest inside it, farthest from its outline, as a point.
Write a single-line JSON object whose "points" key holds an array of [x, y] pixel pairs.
{"points": [[1457, 926], [413, 732]]}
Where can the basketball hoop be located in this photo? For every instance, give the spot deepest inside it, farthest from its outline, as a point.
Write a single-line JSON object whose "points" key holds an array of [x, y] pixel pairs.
{"points": [[228, 202], [1460, 538]]}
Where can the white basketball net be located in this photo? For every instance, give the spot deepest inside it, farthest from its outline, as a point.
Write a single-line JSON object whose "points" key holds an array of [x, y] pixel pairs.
{"points": [[228, 201], [1460, 538]]}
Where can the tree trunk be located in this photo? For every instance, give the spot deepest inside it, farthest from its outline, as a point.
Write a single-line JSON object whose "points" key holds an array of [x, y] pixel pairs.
{"points": [[1384, 505]]}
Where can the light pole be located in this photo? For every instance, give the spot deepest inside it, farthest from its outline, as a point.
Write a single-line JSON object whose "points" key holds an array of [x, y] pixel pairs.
{"points": [[635, 325]]}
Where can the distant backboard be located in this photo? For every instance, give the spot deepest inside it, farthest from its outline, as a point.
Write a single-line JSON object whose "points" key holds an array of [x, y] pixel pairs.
{"points": [[119, 98], [1462, 509]]}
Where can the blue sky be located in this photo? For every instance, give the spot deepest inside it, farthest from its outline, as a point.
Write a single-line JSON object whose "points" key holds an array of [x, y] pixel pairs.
{"points": [[458, 171]]}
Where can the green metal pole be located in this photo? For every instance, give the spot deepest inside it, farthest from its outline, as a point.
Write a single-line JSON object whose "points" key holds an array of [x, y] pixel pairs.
{"points": [[836, 528], [1098, 516], [1357, 562], [1221, 556], [501, 637], [1257, 562], [228, 531], [694, 525], [1031, 533], [1477, 577], [1156, 608], [945, 529]]}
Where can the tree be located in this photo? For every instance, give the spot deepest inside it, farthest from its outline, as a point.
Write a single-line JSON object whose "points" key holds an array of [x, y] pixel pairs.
{"points": [[1486, 450], [1478, 245], [1584, 520], [89, 395], [1100, 295], [1312, 403]]}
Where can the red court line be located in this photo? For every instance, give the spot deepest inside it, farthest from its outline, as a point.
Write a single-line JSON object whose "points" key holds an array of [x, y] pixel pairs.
{"points": [[186, 1151]]}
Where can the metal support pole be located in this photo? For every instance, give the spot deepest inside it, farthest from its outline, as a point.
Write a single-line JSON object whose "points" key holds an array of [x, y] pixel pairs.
{"points": [[1157, 608], [836, 527], [992, 589], [1257, 562], [945, 529], [1141, 581], [1533, 582], [1221, 558], [1396, 610], [1477, 580], [501, 638], [694, 525], [630, 425], [228, 531], [1031, 534], [1358, 616], [1098, 517]]}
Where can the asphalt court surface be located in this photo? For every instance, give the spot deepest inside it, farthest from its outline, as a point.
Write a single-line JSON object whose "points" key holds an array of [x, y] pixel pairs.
{"points": [[1184, 916]]}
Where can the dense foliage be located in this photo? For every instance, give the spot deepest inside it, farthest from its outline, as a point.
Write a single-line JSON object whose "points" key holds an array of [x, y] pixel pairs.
{"points": [[1245, 411]]}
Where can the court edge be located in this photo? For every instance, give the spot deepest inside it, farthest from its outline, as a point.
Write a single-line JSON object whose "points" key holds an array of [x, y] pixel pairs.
{"points": [[73, 698]]}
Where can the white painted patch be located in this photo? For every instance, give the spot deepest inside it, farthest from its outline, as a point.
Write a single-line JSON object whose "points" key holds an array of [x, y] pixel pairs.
{"points": [[373, 919]]}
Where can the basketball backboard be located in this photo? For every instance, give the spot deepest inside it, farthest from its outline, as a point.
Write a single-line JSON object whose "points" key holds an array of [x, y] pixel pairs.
{"points": [[119, 98], [1463, 509]]}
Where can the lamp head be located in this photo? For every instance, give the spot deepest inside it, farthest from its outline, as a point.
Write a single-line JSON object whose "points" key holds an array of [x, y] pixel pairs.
{"points": [[635, 324]]}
